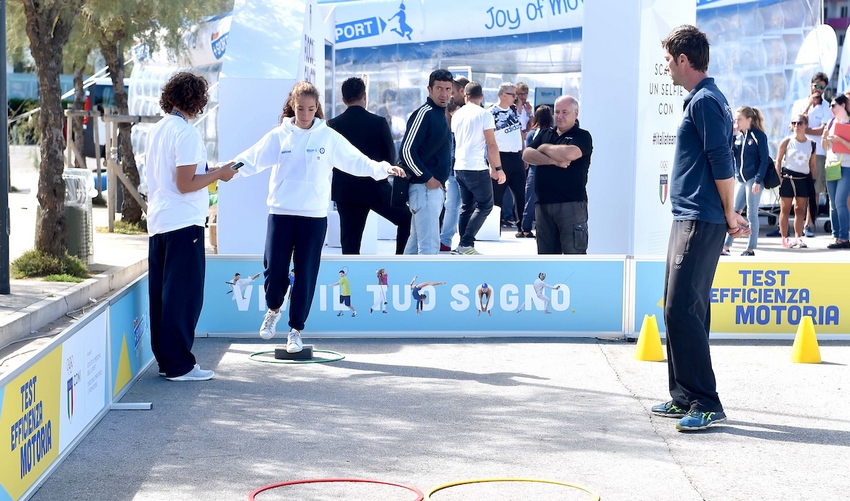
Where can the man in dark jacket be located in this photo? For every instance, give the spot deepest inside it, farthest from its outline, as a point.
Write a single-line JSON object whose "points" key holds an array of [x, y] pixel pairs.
{"points": [[356, 196], [426, 156]]}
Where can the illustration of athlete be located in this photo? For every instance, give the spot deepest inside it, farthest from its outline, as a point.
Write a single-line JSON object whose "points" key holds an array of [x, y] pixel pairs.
{"points": [[381, 300], [238, 284], [540, 287], [417, 295], [344, 293], [485, 294], [403, 30]]}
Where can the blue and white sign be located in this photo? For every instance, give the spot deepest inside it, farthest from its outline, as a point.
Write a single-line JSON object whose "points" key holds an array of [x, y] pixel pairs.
{"points": [[375, 23], [649, 292], [584, 297]]}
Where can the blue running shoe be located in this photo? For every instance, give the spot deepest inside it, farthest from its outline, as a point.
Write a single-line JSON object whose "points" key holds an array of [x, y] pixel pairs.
{"points": [[668, 409], [696, 420], [774, 233]]}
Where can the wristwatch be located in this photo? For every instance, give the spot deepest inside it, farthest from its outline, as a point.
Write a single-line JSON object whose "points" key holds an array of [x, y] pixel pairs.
{"points": [[498, 169]]}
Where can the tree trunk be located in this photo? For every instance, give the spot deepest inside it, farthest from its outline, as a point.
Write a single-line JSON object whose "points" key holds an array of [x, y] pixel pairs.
{"points": [[77, 122], [131, 211], [48, 27]]}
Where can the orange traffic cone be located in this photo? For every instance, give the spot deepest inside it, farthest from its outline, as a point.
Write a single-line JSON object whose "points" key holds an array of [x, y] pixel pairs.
{"points": [[805, 350], [649, 342]]}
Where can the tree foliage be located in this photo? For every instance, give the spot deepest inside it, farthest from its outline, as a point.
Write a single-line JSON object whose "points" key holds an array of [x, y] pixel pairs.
{"points": [[47, 28], [117, 24]]}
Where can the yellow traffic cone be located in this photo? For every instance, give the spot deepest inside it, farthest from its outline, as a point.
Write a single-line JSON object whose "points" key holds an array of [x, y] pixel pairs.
{"points": [[649, 342], [805, 350]]}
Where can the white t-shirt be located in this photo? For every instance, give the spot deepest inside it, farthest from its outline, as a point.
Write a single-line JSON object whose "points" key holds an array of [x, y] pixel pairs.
{"points": [[524, 117], [468, 126], [172, 142], [797, 155], [508, 129], [818, 115]]}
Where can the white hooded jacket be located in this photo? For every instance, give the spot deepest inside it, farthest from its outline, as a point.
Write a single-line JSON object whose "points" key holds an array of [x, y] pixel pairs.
{"points": [[302, 161]]}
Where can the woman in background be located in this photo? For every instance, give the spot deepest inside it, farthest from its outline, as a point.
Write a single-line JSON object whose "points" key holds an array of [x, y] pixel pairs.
{"points": [[839, 190], [751, 161], [796, 165]]}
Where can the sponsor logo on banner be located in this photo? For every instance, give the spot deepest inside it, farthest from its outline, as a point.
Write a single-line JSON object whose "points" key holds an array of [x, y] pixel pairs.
{"points": [[218, 42], [662, 188], [362, 28], [70, 406], [140, 328]]}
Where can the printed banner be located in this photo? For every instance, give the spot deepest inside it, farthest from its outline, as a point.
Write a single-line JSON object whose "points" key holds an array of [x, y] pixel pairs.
{"points": [[377, 22], [83, 386], [581, 297], [130, 335], [29, 417], [659, 106], [759, 298]]}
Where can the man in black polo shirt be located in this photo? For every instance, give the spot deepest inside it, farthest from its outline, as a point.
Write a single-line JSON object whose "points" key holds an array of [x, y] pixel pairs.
{"points": [[356, 196], [562, 157]]}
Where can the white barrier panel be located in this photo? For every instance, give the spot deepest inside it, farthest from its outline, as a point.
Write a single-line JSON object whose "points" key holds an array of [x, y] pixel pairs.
{"points": [[753, 299], [588, 302], [50, 403]]}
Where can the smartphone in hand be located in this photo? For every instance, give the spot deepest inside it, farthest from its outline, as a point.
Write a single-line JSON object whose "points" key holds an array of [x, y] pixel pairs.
{"points": [[237, 166]]}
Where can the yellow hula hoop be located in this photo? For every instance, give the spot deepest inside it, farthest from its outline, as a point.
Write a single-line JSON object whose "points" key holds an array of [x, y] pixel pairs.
{"points": [[594, 496]]}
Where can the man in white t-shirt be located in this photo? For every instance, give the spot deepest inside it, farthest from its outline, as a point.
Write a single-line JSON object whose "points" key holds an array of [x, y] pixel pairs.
{"points": [[509, 138], [816, 108], [473, 129]]}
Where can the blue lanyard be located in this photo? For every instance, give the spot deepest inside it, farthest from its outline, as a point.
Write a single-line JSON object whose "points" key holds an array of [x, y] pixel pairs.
{"points": [[179, 114]]}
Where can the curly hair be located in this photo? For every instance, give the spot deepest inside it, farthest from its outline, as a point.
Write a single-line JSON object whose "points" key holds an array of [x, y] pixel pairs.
{"points": [[301, 89], [186, 92]]}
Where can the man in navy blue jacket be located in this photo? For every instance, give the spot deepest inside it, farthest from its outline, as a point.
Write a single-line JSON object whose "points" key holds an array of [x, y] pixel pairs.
{"points": [[426, 156], [701, 194]]}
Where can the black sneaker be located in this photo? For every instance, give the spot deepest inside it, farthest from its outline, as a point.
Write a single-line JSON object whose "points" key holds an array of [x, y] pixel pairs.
{"points": [[668, 409], [696, 420]]}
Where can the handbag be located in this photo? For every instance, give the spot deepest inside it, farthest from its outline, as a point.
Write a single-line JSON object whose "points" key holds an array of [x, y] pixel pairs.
{"points": [[771, 178], [833, 171]]}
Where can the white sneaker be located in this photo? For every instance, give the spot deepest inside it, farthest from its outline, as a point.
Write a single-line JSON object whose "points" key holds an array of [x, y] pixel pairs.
{"points": [[469, 251], [293, 342], [267, 330], [196, 374]]}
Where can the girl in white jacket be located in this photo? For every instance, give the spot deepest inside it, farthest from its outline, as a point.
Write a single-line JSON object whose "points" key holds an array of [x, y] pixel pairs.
{"points": [[302, 152]]}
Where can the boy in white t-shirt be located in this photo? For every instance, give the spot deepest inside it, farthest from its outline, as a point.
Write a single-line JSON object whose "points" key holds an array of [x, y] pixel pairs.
{"points": [[177, 181], [473, 129]]}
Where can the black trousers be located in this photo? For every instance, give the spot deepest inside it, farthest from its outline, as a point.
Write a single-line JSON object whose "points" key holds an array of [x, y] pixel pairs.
{"points": [[692, 257], [562, 228], [352, 221], [291, 239], [514, 169], [176, 268], [476, 195]]}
